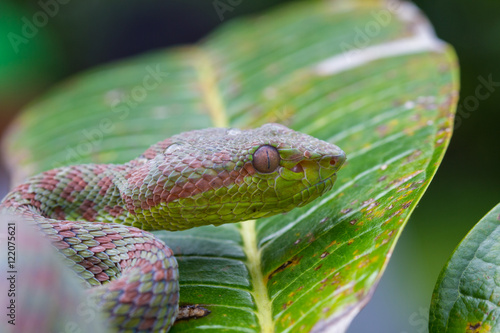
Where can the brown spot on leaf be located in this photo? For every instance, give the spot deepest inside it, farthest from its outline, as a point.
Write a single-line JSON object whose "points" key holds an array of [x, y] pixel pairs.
{"points": [[310, 237], [367, 202], [332, 243], [384, 177], [477, 328], [287, 304], [407, 204], [372, 205], [294, 261], [187, 312]]}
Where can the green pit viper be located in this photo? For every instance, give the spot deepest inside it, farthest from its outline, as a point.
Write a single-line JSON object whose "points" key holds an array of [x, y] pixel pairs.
{"points": [[94, 215]]}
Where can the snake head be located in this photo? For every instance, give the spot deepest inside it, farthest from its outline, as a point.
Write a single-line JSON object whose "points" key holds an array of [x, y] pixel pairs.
{"points": [[218, 175], [306, 170]]}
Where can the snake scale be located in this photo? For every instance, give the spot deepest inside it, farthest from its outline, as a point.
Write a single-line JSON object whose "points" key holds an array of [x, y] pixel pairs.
{"points": [[95, 215]]}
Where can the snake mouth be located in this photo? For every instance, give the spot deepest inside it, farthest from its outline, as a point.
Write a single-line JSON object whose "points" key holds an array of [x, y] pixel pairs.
{"points": [[284, 205], [310, 173], [322, 167]]}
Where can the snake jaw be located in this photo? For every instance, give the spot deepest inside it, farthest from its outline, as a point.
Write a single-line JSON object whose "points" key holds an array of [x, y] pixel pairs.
{"points": [[301, 180], [330, 164]]}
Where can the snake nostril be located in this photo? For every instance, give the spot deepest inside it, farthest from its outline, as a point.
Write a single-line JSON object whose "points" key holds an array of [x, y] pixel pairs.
{"points": [[337, 160], [297, 168]]}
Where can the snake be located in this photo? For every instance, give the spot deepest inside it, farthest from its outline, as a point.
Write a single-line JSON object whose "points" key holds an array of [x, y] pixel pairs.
{"points": [[99, 216]]}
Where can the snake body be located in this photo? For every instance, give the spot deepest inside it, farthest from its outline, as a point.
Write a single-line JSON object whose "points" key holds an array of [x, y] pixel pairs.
{"points": [[95, 214]]}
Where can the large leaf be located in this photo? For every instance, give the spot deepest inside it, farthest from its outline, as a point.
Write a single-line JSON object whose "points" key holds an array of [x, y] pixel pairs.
{"points": [[375, 82], [467, 293]]}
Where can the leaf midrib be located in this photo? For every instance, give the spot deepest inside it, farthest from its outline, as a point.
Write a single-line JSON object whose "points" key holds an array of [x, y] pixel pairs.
{"points": [[254, 265], [248, 232]]}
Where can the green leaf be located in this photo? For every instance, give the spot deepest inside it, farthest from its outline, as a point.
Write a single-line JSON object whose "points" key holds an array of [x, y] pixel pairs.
{"points": [[467, 294], [372, 79]]}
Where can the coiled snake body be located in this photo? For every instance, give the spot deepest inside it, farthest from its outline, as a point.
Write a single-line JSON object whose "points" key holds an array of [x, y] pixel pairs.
{"points": [[95, 214]]}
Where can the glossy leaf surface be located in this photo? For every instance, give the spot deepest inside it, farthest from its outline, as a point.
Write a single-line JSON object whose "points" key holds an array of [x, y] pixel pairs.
{"points": [[467, 293]]}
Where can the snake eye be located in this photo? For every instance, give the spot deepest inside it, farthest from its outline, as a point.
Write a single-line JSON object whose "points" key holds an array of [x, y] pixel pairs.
{"points": [[266, 159]]}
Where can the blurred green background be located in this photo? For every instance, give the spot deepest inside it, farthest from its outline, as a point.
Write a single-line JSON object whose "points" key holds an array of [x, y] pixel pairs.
{"points": [[81, 35]]}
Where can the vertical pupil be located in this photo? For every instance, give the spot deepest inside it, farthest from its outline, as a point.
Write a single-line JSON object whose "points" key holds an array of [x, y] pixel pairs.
{"points": [[266, 159]]}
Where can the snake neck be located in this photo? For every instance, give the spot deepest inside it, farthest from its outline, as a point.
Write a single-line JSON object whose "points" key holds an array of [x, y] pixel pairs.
{"points": [[123, 193], [88, 192], [134, 274], [126, 194]]}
